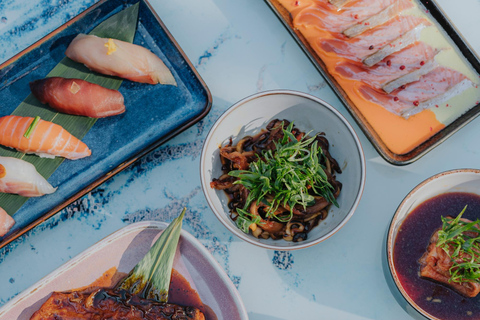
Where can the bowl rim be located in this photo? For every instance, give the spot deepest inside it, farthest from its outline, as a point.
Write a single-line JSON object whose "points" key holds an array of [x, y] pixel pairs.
{"points": [[391, 240], [298, 245]]}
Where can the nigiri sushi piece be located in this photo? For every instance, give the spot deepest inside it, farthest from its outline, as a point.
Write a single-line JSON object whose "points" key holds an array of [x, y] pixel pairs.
{"points": [[119, 58], [78, 97], [6, 222], [47, 139], [21, 177]]}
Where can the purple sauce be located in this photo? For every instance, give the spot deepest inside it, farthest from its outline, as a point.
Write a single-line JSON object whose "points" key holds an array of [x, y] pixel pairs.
{"points": [[411, 243]]}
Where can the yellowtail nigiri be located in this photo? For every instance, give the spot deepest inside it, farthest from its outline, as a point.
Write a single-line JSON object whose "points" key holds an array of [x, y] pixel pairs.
{"points": [[119, 58], [78, 97], [6, 222], [21, 177], [47, 139]]}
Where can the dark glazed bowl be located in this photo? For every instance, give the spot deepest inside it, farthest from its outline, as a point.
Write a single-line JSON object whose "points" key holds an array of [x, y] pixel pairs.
{"points": [[461, 180]]}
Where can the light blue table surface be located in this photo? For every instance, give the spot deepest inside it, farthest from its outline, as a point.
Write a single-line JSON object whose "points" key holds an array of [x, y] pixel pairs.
{"points": [[239, 48]]}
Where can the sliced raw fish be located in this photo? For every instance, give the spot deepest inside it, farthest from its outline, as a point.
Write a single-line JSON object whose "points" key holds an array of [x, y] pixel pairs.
{"points": [[372, 40], [397, 65], [119, 58], [326, 17], [78, 97], [21, 177], [339, 3], [380, 18], [47, 139], [432, 89], [410, 77], [6, 222], [396, 45]]}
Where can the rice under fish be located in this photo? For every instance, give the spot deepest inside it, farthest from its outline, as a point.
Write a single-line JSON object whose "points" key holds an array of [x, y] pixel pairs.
{"points": [[78, 97], [119, 58], [21, 177], [47, 139]]}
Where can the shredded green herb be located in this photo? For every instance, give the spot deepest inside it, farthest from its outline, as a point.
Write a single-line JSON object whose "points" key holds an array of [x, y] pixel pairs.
{"points": [[31, 127], [463, 249], [286, 177]]}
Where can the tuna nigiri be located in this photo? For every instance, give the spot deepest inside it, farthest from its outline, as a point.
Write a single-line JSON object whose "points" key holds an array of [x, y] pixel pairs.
{"points": [[6, 222], [78, 97], [21, 177], [118, 58], [46, 140]]}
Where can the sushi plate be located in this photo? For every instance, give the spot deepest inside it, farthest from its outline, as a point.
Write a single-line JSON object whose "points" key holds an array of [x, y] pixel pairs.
{"points": [[122, 250], [154, 113], [456, 122]]}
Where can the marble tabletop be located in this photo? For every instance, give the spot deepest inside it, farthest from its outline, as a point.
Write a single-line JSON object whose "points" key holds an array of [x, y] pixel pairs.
{"points": [[239, 48]]}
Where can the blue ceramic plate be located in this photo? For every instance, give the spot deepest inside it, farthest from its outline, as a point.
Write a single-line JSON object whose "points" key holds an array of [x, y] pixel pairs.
{"points": [[154, 113]]}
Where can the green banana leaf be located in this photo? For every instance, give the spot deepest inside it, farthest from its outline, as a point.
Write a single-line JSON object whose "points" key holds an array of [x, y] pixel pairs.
{"points": [[150, 278]]}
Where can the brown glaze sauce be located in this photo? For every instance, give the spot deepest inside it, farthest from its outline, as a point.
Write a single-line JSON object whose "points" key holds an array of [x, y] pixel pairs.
{"points": [[410, 244], [180, 292]]}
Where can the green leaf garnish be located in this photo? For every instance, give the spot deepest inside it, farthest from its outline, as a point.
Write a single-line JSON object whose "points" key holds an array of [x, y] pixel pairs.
{"points": [[455, 238], [31, 127], [285, 177], [150, 279]]}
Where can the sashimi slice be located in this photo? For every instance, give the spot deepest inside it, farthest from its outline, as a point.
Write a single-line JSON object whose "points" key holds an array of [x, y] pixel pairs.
{"points": [[396, 45], [410, 77], [324, 16], [432, 89], [339, 3], [6, 222], [119, 58], [78, 97], [47, 139], [397, 65], [21, 177], [296, 6], [372, 40], [380, 18]]}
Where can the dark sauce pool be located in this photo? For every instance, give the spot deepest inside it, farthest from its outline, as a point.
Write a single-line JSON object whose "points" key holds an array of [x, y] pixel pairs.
{"points": [[412, 240]]}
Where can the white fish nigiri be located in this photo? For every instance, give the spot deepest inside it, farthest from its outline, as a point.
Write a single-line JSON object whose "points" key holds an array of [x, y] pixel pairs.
{"points": [[119, 58], [21, 177], [6, 222]]}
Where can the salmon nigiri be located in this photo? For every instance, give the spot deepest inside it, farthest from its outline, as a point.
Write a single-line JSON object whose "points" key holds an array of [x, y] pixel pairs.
{"points": [[119, 58], [21, 177], [78, 97], [47, 139], [6, 222]]}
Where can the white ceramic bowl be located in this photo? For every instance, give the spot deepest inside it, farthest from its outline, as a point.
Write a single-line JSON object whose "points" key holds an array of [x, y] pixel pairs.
{"points": [[248, 116], [461, 180]]}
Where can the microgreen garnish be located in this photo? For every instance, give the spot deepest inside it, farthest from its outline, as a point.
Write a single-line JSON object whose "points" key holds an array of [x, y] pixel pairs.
{"points": [[31, 127], [286, 177], [463, 248]]}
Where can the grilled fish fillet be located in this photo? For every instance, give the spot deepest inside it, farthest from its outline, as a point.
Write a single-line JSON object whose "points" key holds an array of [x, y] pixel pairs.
{"points": [[112, 305], [435, 265]]}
